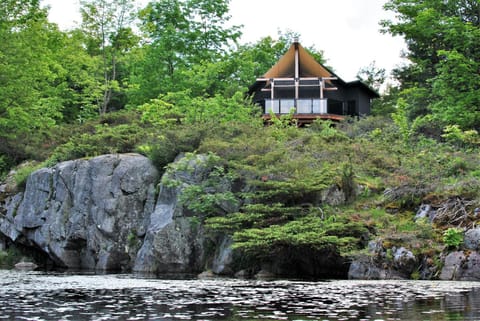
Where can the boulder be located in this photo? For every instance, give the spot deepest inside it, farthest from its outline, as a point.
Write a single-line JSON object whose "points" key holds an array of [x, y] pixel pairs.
{"points": [[461, 266], [404, 261], [83, 212], [471, 239], [222, 261], [364, 268], [174, 240], [426, 211]]}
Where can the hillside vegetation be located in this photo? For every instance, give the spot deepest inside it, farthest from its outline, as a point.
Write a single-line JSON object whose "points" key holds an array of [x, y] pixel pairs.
{"points": [[170, 88], [304, 190]]}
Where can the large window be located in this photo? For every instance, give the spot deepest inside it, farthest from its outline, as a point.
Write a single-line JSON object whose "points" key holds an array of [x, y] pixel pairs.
{"points": [[304, 106]]}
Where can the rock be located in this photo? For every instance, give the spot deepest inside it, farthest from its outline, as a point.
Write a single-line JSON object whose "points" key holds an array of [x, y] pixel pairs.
{"points": [[471, 240], [264, 275], [426, 211], [174, 240], [223, 258], [242, 274], [333, 196], [206, 275], [364, 268], [25, 266], [82, 213], [461, 266], [404, 261]]}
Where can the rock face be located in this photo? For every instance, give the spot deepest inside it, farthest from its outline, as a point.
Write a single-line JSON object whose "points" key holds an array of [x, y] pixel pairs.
{"points": [[471, 240], [426, 211], [174, 238], [461, 266], [377, 265], [104, 214]]}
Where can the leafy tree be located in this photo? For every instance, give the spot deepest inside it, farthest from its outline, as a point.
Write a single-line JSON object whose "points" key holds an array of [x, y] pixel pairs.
{"points": [[28, 76], [107, 23], [442, 37], [372, 75], [456, 89], [180, 107], [78, 89], [183, 34]]}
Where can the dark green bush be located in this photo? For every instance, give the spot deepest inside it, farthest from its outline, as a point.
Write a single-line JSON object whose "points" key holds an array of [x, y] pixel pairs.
{"points": [[164, 148], [105, 139]]}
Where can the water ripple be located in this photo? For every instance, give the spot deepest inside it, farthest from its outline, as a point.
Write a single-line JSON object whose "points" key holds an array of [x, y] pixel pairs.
{"points": [[37, 296]]}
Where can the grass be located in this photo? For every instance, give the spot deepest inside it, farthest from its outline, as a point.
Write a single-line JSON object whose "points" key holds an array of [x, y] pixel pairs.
{"points": [[297, 172]]}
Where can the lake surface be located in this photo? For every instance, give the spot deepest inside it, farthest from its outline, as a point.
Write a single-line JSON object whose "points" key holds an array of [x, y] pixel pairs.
{"points": [[38, 296]]}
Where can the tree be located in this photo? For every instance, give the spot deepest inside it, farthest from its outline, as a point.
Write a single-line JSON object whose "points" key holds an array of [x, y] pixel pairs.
{"points": [[442, 38], [372, 76], [183, 34], [107, 22], [28, 76]]}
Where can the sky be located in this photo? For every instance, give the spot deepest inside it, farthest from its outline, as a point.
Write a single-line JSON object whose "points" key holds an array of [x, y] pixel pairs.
{"points": [[347, 31]]}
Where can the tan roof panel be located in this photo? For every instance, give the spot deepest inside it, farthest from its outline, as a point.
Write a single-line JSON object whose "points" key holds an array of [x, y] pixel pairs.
{"points": [[308, 66]]}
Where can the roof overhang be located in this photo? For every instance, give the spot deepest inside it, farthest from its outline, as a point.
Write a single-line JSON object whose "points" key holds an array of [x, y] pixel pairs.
{"points": [[307, 65]]}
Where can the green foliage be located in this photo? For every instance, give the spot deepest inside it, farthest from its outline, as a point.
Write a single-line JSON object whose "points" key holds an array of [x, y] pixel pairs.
{"points": [[327, 130], [453, 237], [10, 257], [209, 194], [22, 173], [108, 35], [442, 79], [401, 120], [308, 232], [164, 147], [180, 107], [102, 139], [456, 136], [182, 34], [457, 88], [372, 76]]}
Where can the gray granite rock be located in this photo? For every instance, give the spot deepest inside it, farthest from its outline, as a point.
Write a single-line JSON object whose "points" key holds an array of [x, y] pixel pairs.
{"points": [[461, 266]]}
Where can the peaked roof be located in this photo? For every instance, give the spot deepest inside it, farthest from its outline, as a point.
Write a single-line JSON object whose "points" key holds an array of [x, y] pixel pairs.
{"points": [[308, 66]]}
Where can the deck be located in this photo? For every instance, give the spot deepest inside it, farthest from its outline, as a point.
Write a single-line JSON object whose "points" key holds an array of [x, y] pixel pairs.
{"points": [[303, 119], [304, 111]]}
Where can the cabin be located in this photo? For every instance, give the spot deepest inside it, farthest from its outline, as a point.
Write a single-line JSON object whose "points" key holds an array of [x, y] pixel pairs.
{"points": [[298, 83]]}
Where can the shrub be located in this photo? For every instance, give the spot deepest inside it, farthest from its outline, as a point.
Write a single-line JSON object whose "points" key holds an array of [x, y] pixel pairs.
{"points": [[454, 135], [23, 172], [105, 139], [453, 237], [163, 149]]}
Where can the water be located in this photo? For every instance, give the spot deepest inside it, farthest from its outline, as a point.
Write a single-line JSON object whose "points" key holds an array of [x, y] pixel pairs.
{"points": [[38, 296]]}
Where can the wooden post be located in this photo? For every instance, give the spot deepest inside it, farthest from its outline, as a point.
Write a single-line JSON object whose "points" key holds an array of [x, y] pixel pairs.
{"points": [[297, 74], [322, 84], [272, 95]]}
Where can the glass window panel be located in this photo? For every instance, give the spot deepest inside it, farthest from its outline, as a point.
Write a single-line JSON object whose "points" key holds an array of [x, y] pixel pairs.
{"points": [[323, 106], [272, 105], [304, 106], [316, 106], [286, 105]]}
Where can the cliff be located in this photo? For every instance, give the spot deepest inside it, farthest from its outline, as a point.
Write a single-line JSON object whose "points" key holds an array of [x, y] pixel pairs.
{"points": [[115, 212], [105, 213]]}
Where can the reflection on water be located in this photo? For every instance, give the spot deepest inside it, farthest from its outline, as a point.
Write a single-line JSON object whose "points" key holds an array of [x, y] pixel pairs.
{"points": [[36, 296]]}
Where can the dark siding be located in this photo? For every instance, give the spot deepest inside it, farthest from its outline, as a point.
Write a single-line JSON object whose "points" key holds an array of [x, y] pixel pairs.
{"points": [[349, 98]]}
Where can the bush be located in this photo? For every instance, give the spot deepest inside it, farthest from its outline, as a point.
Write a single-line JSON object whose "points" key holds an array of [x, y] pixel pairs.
{"points": [[10, 257], [23, 172], [453, 237], [163, 149], [105, 139]]}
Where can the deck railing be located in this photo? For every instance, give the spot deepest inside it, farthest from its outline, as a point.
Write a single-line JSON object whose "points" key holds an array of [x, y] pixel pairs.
{"points": [[302, 106]]}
